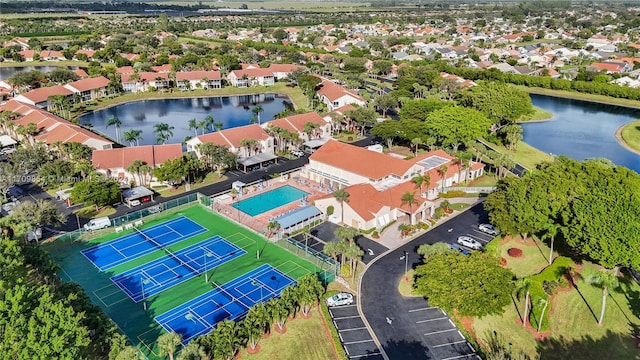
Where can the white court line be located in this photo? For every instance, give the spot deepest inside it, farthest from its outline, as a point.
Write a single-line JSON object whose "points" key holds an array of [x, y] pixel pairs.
{"points": [[357, 342], [426, 308], [365, 355], [352, 329], [448, 344], [439, 332], [436, 319], [347, 317]]}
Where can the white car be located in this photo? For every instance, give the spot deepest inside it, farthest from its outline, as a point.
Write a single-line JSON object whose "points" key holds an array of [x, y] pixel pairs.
{"points": [[340, 299], [488, 229], [469, 242], [297, 152]]}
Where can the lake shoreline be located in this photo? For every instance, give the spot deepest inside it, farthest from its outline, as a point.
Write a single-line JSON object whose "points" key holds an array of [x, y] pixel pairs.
{"points": [[621, 140]]}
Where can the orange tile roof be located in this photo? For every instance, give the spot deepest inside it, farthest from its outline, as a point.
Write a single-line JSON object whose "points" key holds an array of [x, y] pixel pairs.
{"points": [[90, 84], [215, 137], [125, 70], [152, 155], [252, 73], [359, 160], [162, 68], [333, 91], [232, 137], [296, 123], [284, 67], [197, 75], [81, 73], [42, 94]]}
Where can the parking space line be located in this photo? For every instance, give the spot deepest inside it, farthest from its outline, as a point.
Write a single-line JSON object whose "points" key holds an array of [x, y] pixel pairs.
{"points": [[460, 357], [451, 343], [357, 342], [359, 328], [346, 317], [439, 332], [426, 308], [364, 355], [452, 324], [343, 306], [424, 321]]}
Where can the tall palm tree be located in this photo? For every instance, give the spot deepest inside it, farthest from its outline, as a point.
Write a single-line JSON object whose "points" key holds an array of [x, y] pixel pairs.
{"points": [[272, 228], [346, 233], [133, 136], [248, 144], [193, 125], [522, 287], [163, 132], [442, 171], [227, 338], [544, 303], [354, 253], [115, 122], [409, 198], [605, 280], [415, 143], [420, 180], [310, 290], [279, 311], [134, 169], [332, 249], [210, 122], [202, 125], [551, 230], [252, 326], [343, 197], [192, 351], [257, 110], [168, 342]]}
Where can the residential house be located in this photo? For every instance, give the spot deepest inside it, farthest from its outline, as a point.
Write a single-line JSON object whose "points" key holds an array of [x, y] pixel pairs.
{"points": [[610, 67], [187, 80], [52, 129], [233, 139], [40, 96], [297, 124], [282, 71], [113, 163], [89, 89], [251, 77], [335, 96], [144, 81], [44, 55]]}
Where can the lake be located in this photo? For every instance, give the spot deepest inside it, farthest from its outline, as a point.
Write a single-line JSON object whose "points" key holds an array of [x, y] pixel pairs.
{"points": [[231, 111], [581, 130], [8, 71]]}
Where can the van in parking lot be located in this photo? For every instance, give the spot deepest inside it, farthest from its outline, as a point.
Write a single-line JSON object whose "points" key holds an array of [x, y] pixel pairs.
{"points": [[97, 223]]}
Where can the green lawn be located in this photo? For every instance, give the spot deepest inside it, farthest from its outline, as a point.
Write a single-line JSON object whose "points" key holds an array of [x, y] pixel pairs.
{"points": [[582, 96], [459, 206], [305, 339], [525, 154], [573, 330], [537, 115], [139, 325], [91, 212], [630, 134]]}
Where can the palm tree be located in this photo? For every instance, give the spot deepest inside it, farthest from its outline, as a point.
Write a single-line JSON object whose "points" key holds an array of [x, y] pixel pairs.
{"points": [[227, 338], [252, 326], [354, 253], [168, 342], [163, 132], [202, 125], [310, 289], [193, 351], [420, 180], [544, 303], [551, 230], [134, 169], [290, 297], [606, 280], [343, 197], [133, 136], [248, 144], [416, 142], [193, 125], [332, 249], [145, 171], [257, 110], [346, 233], [279, 312], [115, 122], [409, 198], [522, 287], [442, 171], [272, 228]]}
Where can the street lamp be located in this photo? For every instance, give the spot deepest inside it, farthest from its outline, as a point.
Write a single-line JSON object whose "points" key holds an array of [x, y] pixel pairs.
{"points": [[405, 257], [256, 283], [142, 283], [189, 316], [206, 255]]}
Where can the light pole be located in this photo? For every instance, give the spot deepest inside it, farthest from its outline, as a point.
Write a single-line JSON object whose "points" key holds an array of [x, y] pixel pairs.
{"points": [[206, 255], [405, 257], [256, 283], [306, 245], [144, 302]]}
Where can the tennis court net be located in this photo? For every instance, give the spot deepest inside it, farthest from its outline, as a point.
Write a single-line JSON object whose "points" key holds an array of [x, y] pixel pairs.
{"points": [[169, 253]]}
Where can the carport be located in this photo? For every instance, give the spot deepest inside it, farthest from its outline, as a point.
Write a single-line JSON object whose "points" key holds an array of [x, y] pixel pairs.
{"points": [[136, 193], [258, 160], [298, 218]]}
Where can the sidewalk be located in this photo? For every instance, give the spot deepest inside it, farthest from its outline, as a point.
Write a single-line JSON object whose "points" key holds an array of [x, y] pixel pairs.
{"points": [[391, 236]]}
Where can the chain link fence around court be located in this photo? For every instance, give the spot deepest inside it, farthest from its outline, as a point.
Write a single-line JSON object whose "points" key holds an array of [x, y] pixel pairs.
{"points": [[146, 214], [326, 263]]}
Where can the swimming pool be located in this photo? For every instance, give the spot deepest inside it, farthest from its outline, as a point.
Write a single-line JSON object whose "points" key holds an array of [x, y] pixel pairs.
{"points": [[269, 200]]}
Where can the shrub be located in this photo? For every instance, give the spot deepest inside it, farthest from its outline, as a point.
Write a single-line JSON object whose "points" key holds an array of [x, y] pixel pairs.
{"points": [[345, 270], [515, 252], [330, 210], [375, 235], [423, 225], [368, 231], [550, 287], [453, 193]]}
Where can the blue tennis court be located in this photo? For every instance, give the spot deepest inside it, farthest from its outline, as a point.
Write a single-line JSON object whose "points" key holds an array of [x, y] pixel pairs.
{"points": [[118, 251], [158, 275], [229, 301]]}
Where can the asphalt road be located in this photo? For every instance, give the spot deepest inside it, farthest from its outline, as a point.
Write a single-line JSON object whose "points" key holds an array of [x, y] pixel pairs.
{"points": [[406, 337]]}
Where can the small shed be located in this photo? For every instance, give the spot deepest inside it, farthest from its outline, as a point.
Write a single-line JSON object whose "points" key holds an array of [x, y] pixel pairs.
{"points": [[298, 218], [139, 193]]}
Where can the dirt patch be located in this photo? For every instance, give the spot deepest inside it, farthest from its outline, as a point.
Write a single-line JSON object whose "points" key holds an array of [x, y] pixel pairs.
{"points": [[515, 253], [467, 324], [253, 351], [308, 316], [503, 262], [280, 331]]}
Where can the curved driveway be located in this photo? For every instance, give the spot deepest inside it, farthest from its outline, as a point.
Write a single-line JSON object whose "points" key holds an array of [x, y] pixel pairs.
{"points": [[416, 331]]}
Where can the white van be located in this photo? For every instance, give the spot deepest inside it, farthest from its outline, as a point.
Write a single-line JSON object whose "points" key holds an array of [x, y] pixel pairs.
{"points": [[97, 223]]}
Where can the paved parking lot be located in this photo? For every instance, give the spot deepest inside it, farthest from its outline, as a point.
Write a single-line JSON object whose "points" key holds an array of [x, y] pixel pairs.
{"points": [[355, 337], [440, 334], [477, 235]]}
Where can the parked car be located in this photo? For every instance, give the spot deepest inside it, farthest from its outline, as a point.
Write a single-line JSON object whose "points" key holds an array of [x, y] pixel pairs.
{"points": [[297, 152], [97, 223], [340, 299], [488, 229], [133, 203], [460, 248], [469, 242]]}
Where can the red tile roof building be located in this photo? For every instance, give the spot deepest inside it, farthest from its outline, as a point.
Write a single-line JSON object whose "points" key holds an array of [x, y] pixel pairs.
{"points": [[336, 96], [232, 138], [114, 162], [296, 124]]}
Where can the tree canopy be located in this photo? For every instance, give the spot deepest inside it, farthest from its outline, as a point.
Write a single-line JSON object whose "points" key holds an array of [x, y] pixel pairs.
{"points": [[455, 125], [500, 102], [482, 286]]}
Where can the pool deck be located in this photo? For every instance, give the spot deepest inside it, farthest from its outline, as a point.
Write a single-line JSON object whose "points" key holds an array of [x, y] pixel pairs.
{"points": [[260, 222]]}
